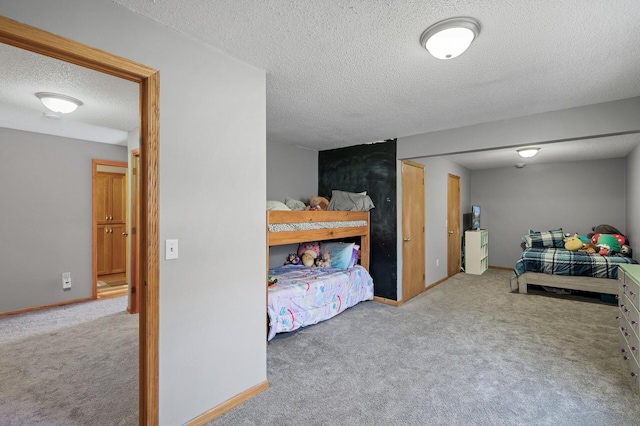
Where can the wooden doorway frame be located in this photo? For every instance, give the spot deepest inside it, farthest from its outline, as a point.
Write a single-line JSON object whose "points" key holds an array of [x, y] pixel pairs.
{"points": [[134, 244], [35, 40]]}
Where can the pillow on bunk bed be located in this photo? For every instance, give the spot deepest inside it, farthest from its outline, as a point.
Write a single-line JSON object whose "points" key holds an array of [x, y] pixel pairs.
{"points": [[276, 205], [338, 254], [350, 201], [354, 256], [550, 239], [294, 204]]}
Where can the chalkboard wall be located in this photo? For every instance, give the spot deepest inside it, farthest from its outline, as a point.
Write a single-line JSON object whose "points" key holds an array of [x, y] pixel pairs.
{"points": [[370, 168]]}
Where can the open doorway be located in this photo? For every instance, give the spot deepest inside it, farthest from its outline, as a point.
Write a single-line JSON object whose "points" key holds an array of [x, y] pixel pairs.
{"points": [[42, 42], [110, 228]]}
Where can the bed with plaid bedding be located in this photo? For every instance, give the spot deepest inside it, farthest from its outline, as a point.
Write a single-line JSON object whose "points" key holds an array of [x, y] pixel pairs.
{"points": [[559, 261]]}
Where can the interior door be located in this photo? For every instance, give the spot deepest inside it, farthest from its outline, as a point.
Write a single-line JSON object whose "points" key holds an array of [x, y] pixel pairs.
{"points": [[453, 225], [413, 237]]}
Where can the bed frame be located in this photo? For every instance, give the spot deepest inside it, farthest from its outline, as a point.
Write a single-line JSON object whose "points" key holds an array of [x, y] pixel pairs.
{"points": [[596, 285], [306, 216]]}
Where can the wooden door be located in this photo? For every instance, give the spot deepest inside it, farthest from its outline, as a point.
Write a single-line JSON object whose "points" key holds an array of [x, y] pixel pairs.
{"points": [[101, 242], [413, 237], [103, 196], [118, 195], [118, 248], [453, 225]]}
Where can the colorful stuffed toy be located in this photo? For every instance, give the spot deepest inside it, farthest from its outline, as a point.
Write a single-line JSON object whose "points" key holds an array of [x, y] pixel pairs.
{"points": [[318, 203], [312, 247], [607, 244], [573, 243], [292, 259], [307, 258]]}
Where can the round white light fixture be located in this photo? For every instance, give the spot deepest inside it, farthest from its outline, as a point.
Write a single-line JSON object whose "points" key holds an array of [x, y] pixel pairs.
{"points": [[59, 103], [450, 38], [528, 152]]}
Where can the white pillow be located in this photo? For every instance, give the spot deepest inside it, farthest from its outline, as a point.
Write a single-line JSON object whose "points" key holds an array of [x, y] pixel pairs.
{"points": [[294, 204], [276, 205]]}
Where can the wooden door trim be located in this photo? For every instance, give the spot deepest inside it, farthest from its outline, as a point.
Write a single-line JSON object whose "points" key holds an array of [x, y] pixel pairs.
{"points": [[134, 244], [48, 44], [94, 218]]}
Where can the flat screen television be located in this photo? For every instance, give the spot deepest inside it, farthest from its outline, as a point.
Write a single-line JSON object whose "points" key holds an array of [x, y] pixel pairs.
{"points": [[475, 217]]}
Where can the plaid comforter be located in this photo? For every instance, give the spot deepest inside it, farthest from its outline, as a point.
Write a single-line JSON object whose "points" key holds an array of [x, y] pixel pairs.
{"points": [[559, 261]]}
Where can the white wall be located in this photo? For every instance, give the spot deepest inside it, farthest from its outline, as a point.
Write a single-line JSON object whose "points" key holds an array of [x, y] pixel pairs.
{"points": [[632, 196], [212, 124], [437, 170], [607, 118], [291, 172], [45, 193], [574, 196]]}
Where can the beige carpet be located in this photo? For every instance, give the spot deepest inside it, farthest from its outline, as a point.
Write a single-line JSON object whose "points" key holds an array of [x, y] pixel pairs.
{"points": [[468, 352]]}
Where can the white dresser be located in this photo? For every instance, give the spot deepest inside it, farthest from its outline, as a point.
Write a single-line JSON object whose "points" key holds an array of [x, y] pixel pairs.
{"points": [[476, 251], [629, 319]]}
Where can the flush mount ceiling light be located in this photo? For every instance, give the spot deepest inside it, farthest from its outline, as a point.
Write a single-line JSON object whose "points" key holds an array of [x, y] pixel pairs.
{"points": [[450, 38], [528, 152], [58, 103]]}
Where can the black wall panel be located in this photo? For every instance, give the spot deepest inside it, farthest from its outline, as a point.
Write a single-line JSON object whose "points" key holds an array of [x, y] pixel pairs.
{"points": [[370, 168]]}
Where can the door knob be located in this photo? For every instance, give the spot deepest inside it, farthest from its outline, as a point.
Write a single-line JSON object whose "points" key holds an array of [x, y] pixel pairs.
{"points": [[125, 234], [451, 232], [406, 240]]}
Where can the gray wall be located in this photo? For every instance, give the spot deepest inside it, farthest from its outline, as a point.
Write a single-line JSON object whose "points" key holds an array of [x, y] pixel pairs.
{"points": [[574, 123], [45, 188], [212, 124], [632, 196], [437, 170], [291, 172], [603, 119], [574, 196]]}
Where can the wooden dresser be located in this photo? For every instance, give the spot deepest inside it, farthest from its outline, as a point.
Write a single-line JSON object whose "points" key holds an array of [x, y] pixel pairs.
{"points": [[629, 319]]}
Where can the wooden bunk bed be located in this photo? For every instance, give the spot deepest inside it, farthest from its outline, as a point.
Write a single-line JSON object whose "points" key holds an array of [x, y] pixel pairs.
{"points": [[342, 228], [323, 291]]}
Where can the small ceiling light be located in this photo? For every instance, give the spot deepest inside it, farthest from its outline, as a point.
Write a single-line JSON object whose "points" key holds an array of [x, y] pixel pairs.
{"points": [[59, 103], [528, 152], [450, 38]]}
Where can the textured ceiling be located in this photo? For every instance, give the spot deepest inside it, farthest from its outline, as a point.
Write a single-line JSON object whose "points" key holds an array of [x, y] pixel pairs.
{"points": [[110, 105], [347, 72]]}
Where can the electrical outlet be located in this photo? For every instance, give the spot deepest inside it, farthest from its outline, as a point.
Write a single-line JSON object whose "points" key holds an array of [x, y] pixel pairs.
{"points": [[66, 280], [437, 262]]}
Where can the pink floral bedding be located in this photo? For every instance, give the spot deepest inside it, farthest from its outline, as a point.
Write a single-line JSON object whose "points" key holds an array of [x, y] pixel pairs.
{"points": [[307, 295]]}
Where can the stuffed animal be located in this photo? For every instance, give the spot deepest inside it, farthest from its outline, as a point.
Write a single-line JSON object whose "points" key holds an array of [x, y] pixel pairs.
{"points": [[307, 259], [292, 259], [317, 262], [573, 243], [271, 280], [312, 247], [607, 244], [602, 229], [588, 248], [626, 250], [318, 203], [619, 237]]}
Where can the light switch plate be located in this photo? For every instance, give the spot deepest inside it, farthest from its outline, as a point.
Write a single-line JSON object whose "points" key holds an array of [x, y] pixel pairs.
{"points": [[171, 249]]}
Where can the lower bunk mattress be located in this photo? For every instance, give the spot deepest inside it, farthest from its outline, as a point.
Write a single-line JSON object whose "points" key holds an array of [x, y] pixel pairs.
{"points": [[559, 261], [304, 295]]}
